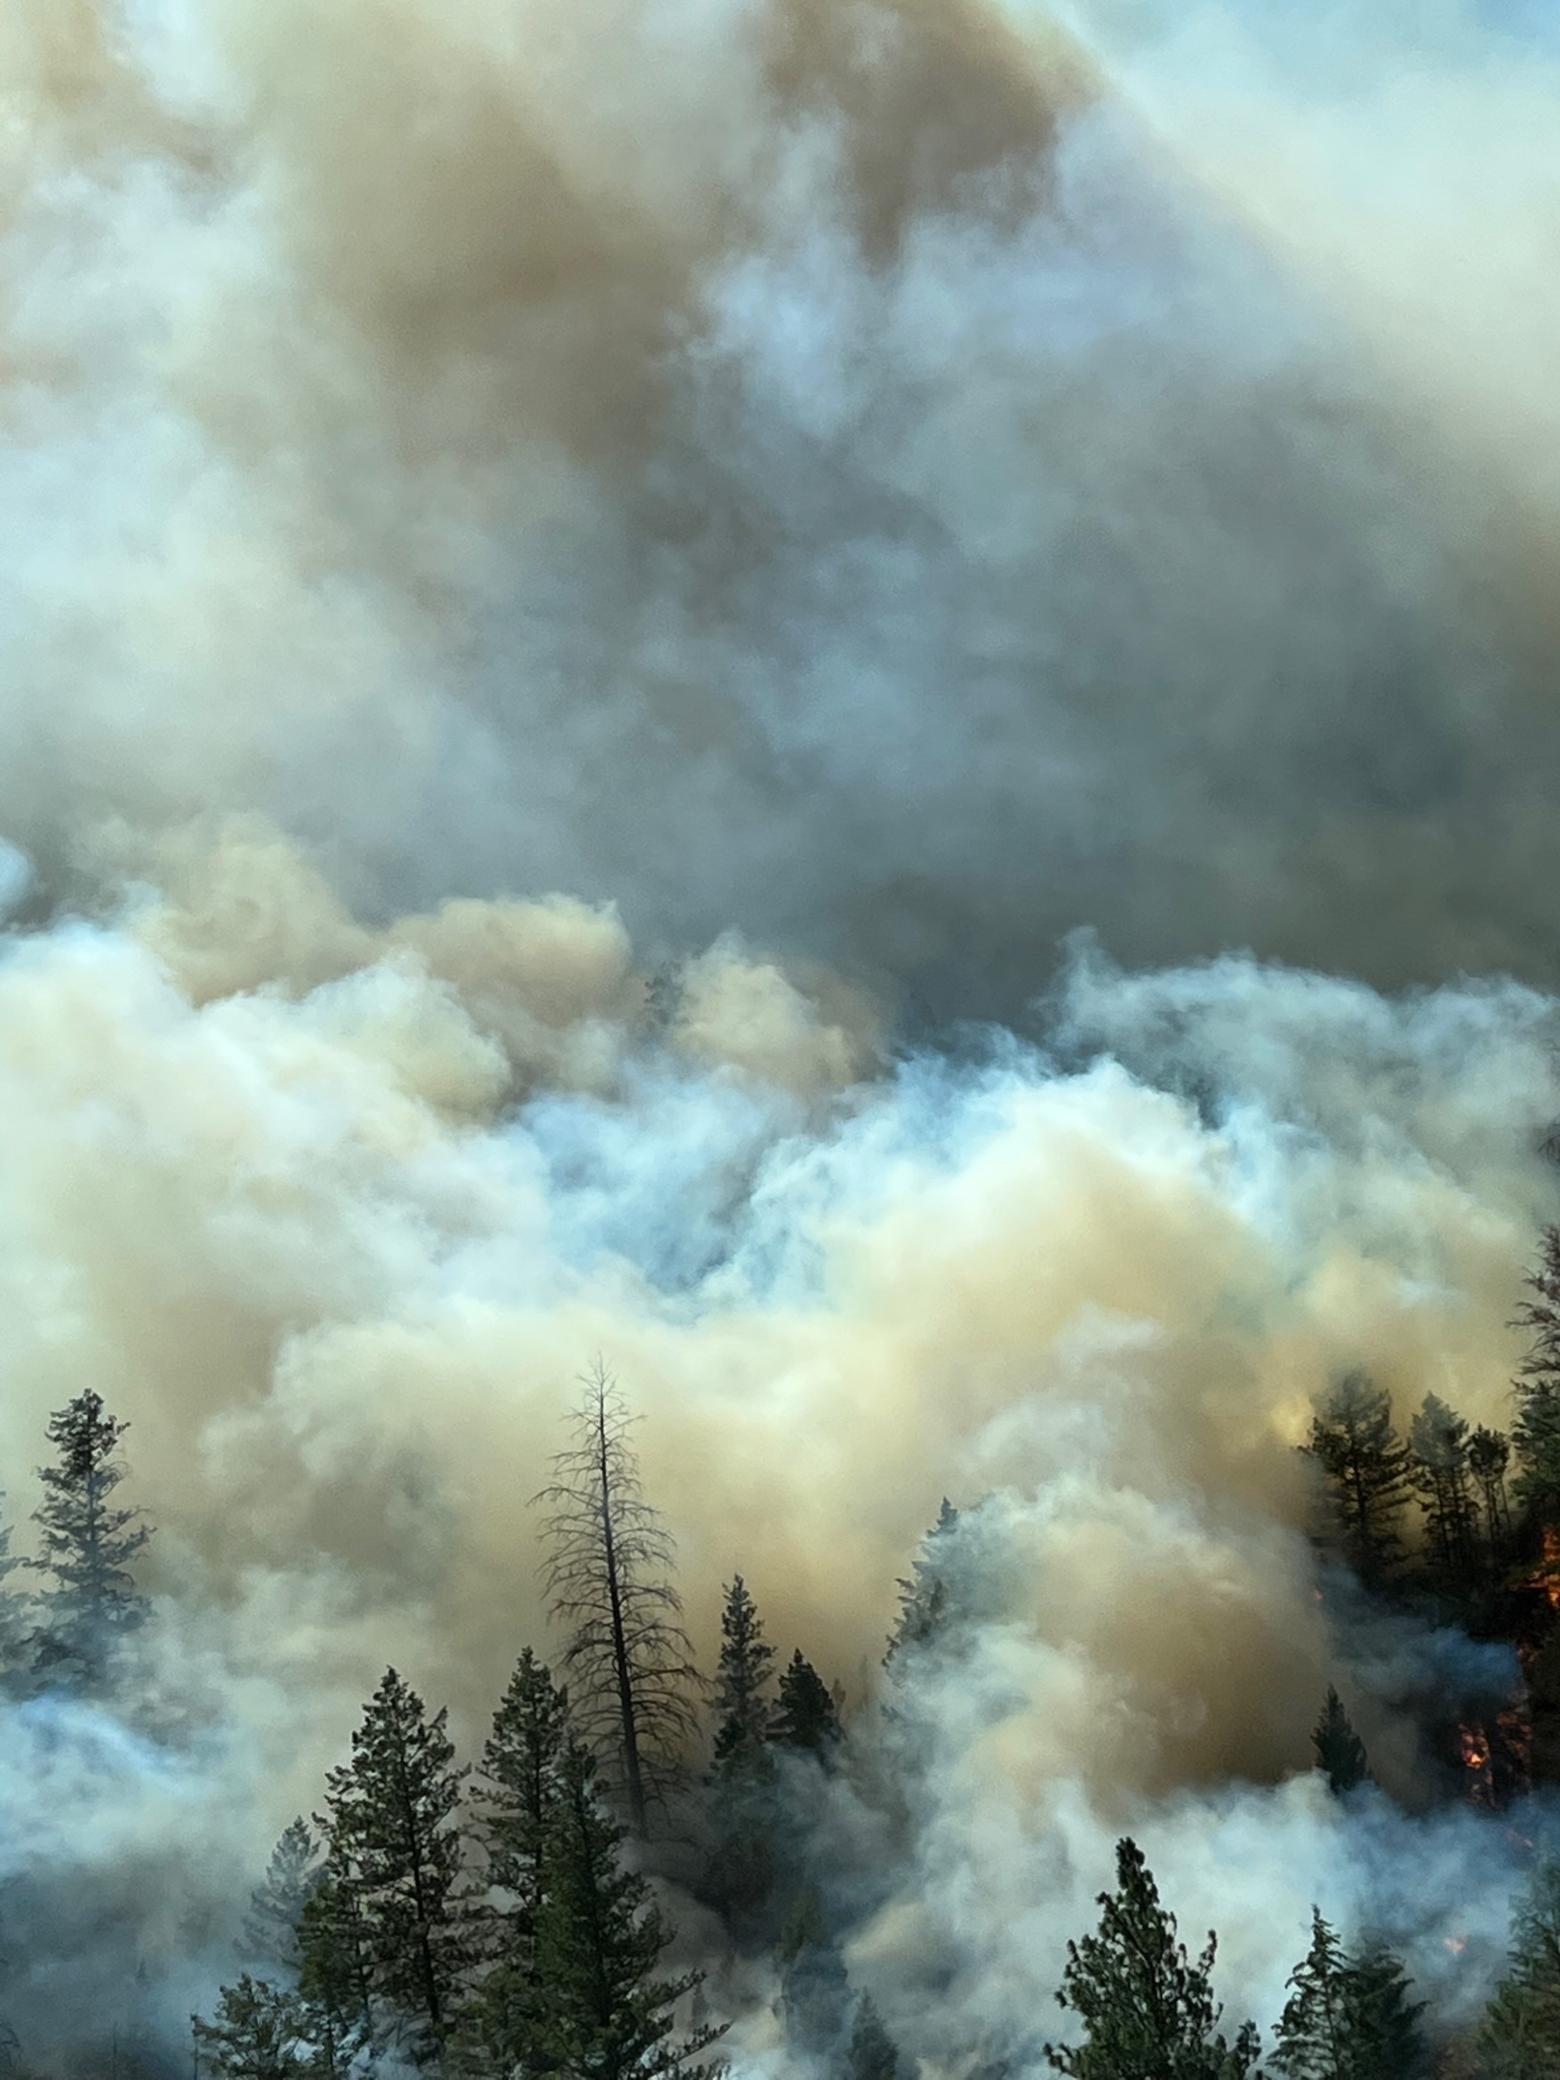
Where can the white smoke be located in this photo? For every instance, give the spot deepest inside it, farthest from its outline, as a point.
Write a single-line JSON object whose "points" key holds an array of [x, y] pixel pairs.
{"points": [[582, 583]]}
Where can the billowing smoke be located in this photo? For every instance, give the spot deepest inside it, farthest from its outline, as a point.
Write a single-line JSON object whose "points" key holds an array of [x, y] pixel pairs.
{"points": [[900, 480], [585, 587]]}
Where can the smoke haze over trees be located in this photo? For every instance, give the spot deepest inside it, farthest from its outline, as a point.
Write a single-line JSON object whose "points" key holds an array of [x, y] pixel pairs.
{"points": [[842, 710]]}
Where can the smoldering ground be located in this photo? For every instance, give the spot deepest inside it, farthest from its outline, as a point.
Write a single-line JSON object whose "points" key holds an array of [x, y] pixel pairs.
{"points": [[579, 582]]}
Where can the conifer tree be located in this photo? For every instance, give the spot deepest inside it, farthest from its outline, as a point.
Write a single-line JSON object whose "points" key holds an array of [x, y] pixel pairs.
{"points": [[1340, 1752], [391, 1819], [1489, 1455], [88, 1543], [600, 2014], [276, 1905], [520, 1789], [1521, 2038], [805, 1714], [1365, 1469], [742, 1685], [1146, 2008], [1438, 1446], [335, 1982], [609, 1577], [15, 1620], [925, 1593], [740, 1872], [814, 1987], [872, 2054], [1535, 1435], [257, 2033], [1348, 2017]]}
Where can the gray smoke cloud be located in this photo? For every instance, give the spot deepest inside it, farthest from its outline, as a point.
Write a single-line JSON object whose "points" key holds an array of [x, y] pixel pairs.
{"points": [[901, 481], [576, 574]]}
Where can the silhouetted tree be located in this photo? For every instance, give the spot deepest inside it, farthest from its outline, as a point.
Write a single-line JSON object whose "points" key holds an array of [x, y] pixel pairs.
{"points": [[872, 2054], [1349, 2017], [925, 1593], [1438, 1446], [258, 2033], [1340, 1752], [519, 1796], [814, 1986], [1521, 2037], [1489, 1455], [1146, 2007], [391, 1818], [1535, 1435], [1365, 1469], [609, 1576], [805, 1714], [742, 1684], [739, 1874], [15, 1616], [335, 1976], [87, 1543], [600, 2013], [276, 1905]]}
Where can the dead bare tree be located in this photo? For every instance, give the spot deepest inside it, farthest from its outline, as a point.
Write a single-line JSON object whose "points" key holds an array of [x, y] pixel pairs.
{"points": [[609, 1576]]}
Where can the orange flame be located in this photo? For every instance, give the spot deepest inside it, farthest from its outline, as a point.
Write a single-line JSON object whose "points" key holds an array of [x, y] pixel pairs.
{"points": [[1474, 1748], [1547, 1574]]}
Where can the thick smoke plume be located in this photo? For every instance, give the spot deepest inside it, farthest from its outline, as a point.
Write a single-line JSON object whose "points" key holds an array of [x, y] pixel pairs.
{"points": [[901, 480], [584, 584]]}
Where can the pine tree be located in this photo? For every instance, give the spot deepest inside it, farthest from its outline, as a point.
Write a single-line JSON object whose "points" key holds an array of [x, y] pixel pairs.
{"points": [[872, 2054], [1147, 2009], [1339, 1750], [87, 1543], [1521, 2039], [1349, 2017], [276, 1905], [609, 1577], [1438, 1445], [521, 1782], [15, 1620], [600, 2014], [391, 1821], [335, 1984], [741, 1687], [805, 1714], [1535, 1435], [814, 1987], [1489, 1455], [740, 1872], [1365, 1469], [925, 1593], [258, 2033]]}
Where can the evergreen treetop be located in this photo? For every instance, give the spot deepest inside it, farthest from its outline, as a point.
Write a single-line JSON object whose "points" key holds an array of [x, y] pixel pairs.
{"points": [[276, 1905], [805, 1714], [872, 2054], [742, 1684], [600, 2013], [87, 1543], [391, 1820], [1521, 2035], [258, 2032], [1340, 1752], [1146, 2008], [924, 1594], [1535, 1435], [1365, 1468], [1348, 2016]]}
